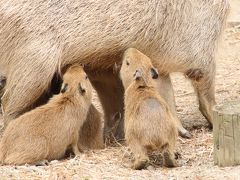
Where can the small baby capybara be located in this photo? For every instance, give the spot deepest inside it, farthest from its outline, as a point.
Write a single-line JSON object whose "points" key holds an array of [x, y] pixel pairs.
{"points": [[47, 131], [148, 122], [91, 132]]}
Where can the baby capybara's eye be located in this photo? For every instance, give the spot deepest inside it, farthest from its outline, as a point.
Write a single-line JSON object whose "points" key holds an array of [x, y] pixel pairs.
{"points": [[86, 77], [127, 63]]}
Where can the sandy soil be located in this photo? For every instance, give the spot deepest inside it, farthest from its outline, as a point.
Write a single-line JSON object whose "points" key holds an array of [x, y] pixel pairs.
{"points": [[196, 160]]}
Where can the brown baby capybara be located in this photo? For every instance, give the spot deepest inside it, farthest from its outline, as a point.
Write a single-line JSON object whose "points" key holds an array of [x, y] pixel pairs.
{"points": [[148, 122], [91, 133], [38, 39], [46, 132]]}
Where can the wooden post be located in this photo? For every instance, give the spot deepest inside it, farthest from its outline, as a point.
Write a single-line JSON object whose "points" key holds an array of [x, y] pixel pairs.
{"points": [[226, 134]]}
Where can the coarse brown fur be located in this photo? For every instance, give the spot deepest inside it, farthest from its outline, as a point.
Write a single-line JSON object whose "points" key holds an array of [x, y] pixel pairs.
{"points": [[39, 38], [91, 133], [47, 131], [148, 121]]}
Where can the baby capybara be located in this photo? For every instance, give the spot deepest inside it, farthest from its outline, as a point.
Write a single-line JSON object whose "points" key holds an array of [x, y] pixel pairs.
{"points": [[91, 133], [47, 131], [148, 122]]}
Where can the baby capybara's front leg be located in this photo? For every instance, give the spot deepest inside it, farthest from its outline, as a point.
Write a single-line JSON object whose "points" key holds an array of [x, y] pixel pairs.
{"points": [[74, 144]]}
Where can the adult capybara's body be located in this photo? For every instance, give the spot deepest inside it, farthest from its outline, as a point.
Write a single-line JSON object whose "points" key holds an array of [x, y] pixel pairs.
{"points": [[49, 130], [38, 39], [148, 121]]}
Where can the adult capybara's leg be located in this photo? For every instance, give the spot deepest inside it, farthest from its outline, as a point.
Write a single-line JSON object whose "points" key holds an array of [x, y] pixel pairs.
{"points": [[166, 90], [205, 89], [110, 91]]}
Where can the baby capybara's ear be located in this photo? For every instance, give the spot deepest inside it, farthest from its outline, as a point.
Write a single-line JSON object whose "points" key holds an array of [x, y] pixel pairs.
{"points": [[154, 73], [64, 88]]}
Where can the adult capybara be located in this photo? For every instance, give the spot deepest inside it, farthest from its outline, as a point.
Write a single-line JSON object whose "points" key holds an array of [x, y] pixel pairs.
{"points": [[38, 39], [148, 121], [47, 131]]}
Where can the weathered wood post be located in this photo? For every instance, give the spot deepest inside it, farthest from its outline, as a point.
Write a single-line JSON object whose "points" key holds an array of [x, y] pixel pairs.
{"points": [[226, 134]]}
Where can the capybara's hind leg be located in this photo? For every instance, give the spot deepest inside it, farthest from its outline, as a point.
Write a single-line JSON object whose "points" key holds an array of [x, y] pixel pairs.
{"points": [[166, 90], [140, 155], [27, 153], [205, 89]]}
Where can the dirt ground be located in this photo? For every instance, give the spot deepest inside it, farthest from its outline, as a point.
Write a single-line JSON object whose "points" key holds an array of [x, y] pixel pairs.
{"points": [[196, 160]]}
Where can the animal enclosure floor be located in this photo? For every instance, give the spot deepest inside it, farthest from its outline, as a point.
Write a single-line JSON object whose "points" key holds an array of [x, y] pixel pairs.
{"points": [[196, 154]]}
